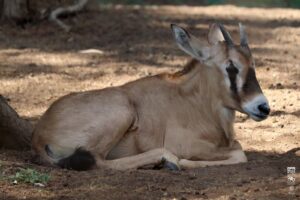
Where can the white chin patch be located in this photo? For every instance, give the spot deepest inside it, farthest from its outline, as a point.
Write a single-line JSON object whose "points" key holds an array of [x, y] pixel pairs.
{"points": [[251, 107]]}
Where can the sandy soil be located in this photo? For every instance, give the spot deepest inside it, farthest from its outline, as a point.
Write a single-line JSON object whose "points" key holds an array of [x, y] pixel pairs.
{"points": [[40, 63]]}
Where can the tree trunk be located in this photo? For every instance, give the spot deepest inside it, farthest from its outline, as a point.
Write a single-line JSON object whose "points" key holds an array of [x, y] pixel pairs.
{"points": [[14, 9], [15, 132]]}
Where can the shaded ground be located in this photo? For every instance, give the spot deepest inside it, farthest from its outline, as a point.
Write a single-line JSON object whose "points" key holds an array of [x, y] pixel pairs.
{"points": [[41, 63]]}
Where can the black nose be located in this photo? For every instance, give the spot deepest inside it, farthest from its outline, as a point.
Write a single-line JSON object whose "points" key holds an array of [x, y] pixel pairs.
{"points": [[264, 108]]}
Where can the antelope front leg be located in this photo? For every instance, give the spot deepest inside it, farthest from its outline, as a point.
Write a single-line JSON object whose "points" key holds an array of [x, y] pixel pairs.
{"points": [[234, 157], [154, 156]]}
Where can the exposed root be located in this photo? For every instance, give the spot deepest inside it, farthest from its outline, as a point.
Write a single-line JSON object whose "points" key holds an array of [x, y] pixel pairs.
{"points": [[66, 10]]}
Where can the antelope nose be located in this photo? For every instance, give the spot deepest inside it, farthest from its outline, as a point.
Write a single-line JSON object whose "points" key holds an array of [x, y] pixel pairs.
{"points": [[264, 108]]}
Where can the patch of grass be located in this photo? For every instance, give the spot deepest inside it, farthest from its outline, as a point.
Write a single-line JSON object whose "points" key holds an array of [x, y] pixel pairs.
{"points": [[30, 176]]}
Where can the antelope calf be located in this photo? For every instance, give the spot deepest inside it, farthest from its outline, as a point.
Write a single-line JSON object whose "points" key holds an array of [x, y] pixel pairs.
{"points": [[185, 119]]}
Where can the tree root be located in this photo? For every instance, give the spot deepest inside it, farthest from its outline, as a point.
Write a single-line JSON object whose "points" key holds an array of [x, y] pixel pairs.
{"points": [[66, 10]]}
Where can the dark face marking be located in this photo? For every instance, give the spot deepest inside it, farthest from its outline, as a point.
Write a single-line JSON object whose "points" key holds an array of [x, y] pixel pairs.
{"points": [[232, 72], [251, 84]]}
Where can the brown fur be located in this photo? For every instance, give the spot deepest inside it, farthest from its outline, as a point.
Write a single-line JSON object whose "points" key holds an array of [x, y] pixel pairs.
{"points": [[186, 118], [188, 67]]}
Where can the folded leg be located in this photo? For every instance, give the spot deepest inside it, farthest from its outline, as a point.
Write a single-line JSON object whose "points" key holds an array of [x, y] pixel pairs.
{"points": [[154, 156], [234, 157]]}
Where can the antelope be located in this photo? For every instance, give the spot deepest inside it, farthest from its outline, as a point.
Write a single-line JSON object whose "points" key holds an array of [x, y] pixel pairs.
{"points": [[184, 119]]}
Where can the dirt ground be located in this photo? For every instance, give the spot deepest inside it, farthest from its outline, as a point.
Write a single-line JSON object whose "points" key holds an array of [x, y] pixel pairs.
{"points": [[41, 63]]}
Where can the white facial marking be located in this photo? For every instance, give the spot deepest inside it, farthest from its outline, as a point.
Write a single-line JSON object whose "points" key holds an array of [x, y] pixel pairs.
{"points": [[239, 82], [223, 68], [251, 106]]}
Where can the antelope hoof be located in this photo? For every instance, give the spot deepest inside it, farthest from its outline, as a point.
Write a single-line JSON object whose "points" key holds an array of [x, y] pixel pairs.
{"points": [[169, 165]]}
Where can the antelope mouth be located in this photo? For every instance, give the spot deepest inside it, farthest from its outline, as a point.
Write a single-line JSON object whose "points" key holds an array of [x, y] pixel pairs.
{"points": [[258, 116], [257, 108]]}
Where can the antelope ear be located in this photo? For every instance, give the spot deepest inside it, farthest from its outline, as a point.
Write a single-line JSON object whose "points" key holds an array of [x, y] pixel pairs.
{"points": [[215, 35], [190, 44]]}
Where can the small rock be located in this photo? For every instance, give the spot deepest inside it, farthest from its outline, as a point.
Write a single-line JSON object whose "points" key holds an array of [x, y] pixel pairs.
{"points": [[39, 184], [279, 86], [91, 51]]}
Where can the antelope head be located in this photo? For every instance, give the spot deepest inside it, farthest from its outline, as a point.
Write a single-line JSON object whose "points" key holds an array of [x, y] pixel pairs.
{"points": [[240, 88]]}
